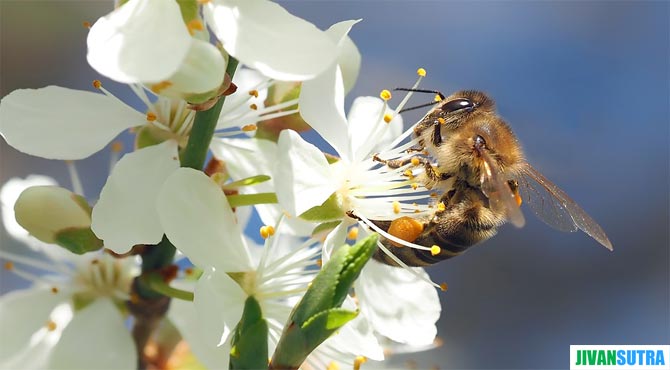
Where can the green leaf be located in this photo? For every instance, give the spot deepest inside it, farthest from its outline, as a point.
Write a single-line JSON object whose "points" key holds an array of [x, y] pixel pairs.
{"points": [[77, 240], [326, 226], [318, 315], [328, 211], [249, 345]]}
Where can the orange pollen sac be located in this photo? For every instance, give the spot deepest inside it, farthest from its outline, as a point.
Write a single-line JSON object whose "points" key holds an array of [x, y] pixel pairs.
{"points": [[54, 290], [441, 120], [408, 173], [414, 185], [97, 84], [441, 207], [157, 88], [86, 24], [319, 262], [117, 147], [385, 95], [388, 117], [253, 107], [405, 228], [353, 233], [188, 271], [443, 287], [151, 116], [253, 93], [435, 250], [421, 72], [9, 265], [396, 207], [194, 25], [415, 161], [358, 361], [267, 231], [248, 128], [51, 326]]}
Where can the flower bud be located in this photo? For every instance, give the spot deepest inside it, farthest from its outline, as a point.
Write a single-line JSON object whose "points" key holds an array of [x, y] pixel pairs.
{"points": [[56, 215]]}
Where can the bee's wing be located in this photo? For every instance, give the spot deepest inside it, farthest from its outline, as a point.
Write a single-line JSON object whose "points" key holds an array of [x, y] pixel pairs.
{"points": [[555, 208], [495, 187]]}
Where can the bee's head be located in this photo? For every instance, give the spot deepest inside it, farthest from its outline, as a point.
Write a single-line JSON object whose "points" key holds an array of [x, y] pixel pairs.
{"points": [[492, 135]]}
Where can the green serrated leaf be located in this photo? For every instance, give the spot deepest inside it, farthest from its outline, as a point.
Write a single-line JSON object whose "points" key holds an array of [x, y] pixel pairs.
{"points": [[249, 345]]}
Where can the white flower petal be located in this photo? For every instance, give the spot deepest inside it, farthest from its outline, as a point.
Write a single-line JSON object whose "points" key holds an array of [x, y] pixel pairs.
{"points": [[199, 221], [184, 316], [237, 104], [356, 337], [306, 179], [366, 121], [58, 123], [348, 56], [264, 36], [96, 338], [336, 238], [398, 304], [126, 213], [22, 313], [250, 157], [219, 302], [142, 41], [201, 72], [322, 107]]}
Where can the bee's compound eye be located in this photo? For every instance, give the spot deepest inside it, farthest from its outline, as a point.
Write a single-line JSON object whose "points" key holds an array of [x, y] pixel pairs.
{"points": [[457, 104], [479, 141]]}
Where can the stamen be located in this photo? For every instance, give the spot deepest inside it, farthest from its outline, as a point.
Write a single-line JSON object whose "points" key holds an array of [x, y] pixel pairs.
{"points": [[409, 94], [249, 128], [116, 149], [385, 95], [441, 207], [404, 265], [74, 178], [9, 265], [151, 116], [333, 366], [435, 250], [194, 25], [358, 361], [253, 106], [409, 173], [319, 262], [388, 117], [441, 120], [414, 185], [86, 24], [438, 97], [396, 207], [267, 231], [253, 93], [390, 237], [53, 266], [157, 88], [51, 325], [54, 289], [421, 72], [188, 271], [353, 233], [97, 84], [415, 161], [443, 287]]}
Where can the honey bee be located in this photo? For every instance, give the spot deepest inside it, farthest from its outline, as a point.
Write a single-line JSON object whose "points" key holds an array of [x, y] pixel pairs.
{"points": [[472, 156]]}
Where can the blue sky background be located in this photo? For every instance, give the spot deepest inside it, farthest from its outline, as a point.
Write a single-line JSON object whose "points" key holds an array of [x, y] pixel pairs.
{"points": [[585, 87]]}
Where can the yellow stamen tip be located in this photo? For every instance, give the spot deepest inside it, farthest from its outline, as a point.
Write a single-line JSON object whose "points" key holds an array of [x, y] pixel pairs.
{"points": [[319, 262], [441, 207], [9, 265], [333, 366], [415, 161], [396, 207], [408, 173], [358, 361], [248, 128], [443, 287], [253, 107], [441, 120], [438, 97], [433, 195], [385, 95], [388, 117], [151, 116], [414, 185], [117, 146], [421, 72], [253, 93], [267, 231], [353, 233], [435, 250], [54, 289], [157, 88], [86, 24], [97, 84], [188, 271], [194, 25], [51, 326]]}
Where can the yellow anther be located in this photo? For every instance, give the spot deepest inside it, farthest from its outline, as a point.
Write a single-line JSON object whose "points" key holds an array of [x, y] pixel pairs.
{"points": [[253, 107], [250, 127], [267, 231], [95, 261], [188, 271], [414, 185], [319, 262], [117, 146], [194, 25], [441, 207], [441, 120], [408, 173], [438, 97], [51, 326], [253, 93], [396, 207], [157, 88], [97, 84], [433, 195], [385, 95], [151, 116], [358, 361], [333, 366], [388, 117], [353, 233], [421, 72], [435, 250], [443, 287], [54, 289], [9, 265], [86, 24], [415, 161], [201, 2]]}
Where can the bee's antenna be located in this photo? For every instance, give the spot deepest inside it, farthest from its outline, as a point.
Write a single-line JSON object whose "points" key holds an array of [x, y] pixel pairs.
{"points": [[419, 106], [442, 97]]}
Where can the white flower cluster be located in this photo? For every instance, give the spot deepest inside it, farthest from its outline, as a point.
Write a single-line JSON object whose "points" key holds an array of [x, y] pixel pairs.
{"points": [[73, 314]]}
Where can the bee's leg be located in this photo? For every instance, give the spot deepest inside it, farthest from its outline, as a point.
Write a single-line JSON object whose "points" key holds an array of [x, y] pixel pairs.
{"points": [[437, 135], [392, 163]]}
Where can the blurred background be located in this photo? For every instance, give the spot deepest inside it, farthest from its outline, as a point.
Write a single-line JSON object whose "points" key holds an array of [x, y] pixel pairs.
{"points": [[583, 84]]}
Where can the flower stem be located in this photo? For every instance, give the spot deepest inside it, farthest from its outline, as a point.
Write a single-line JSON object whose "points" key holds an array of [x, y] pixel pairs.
{"points": [[238, 200], [157, 283]]}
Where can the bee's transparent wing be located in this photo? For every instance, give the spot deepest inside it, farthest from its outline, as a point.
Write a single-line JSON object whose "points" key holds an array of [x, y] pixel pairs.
{"points": [[501, 197], [555, 208]]}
